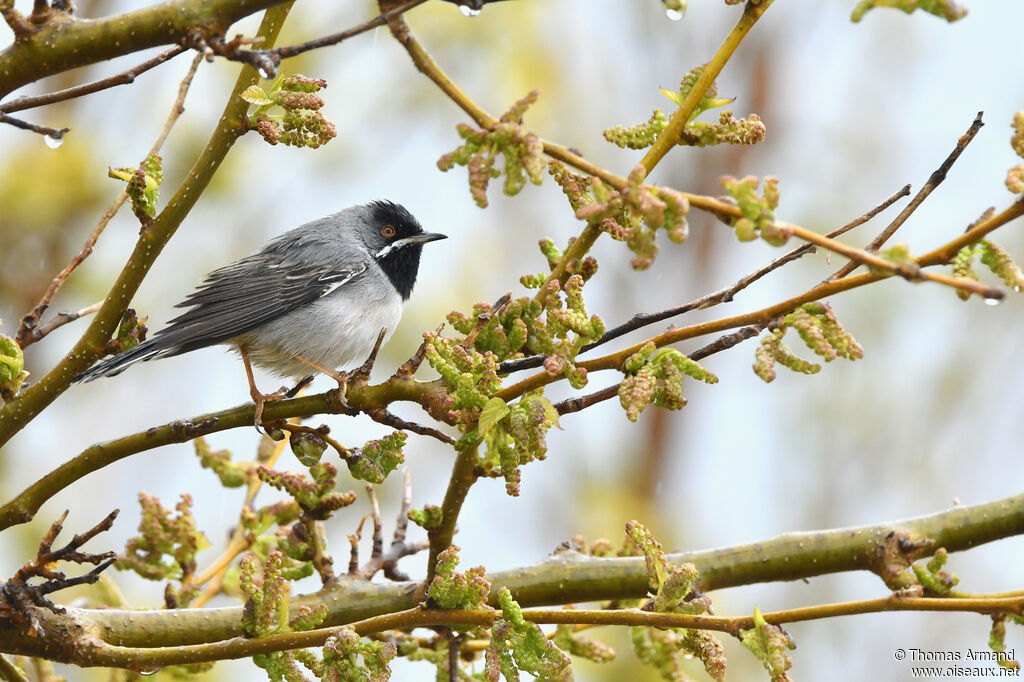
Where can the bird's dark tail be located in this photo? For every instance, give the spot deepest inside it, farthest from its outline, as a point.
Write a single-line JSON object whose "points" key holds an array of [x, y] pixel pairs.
{"points": [[115, 365]]}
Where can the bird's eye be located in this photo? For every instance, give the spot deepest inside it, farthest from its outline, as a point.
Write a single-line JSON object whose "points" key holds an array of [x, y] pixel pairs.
{"points": [[388, 231]]}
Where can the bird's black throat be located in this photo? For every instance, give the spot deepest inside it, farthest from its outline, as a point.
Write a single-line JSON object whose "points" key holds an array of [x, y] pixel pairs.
{"points": [[401, 263], [401, 266]]}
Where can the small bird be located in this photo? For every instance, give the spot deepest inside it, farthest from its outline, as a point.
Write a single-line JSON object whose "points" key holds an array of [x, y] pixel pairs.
{"points": [[317, 297]]}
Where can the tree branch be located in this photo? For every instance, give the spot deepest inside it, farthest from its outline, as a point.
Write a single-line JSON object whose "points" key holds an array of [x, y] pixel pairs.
{"points": [[20, 410], [725, 295], [934, 180], [28, 330], [677, 122], [462, 479], [148, 638], [59, 46], [939, 256], [123, 78], [52, 133], [358, 399], [267, 61]]}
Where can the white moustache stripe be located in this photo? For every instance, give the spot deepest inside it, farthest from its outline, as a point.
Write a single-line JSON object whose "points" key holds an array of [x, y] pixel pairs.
{"points": [[392, 246]]}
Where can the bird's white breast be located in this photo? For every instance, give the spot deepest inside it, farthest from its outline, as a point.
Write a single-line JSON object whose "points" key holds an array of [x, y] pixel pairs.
{"points": [[332, 331]]}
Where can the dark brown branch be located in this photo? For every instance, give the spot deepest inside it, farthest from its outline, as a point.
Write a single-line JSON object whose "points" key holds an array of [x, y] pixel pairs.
{"points": [[725, 295], [23, 598], [582, 402], [123, 78], [383, 416], [723, 342], [934, 180], [51, 133], [362, 373], [399, 548], [267, 61]]}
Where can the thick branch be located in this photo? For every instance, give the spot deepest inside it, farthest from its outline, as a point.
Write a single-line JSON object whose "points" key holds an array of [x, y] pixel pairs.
{"points": [[69, 43], [564, 577], [462, 479]]}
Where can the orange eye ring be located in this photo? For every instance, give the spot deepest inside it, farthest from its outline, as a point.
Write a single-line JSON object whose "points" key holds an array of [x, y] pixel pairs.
{"points": [[388, 231]]}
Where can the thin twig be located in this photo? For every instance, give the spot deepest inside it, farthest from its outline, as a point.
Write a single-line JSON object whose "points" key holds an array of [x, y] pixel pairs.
{"points": [[377, 549], [934, 180], [483, 318], [267, 61], [241, 539], [29, 331], [399, 547], [383, 416], [410, 366], [123, 78], [19, 25], [59, 320], [909, 270], [52, 133], [725, 295], [723, 342]]}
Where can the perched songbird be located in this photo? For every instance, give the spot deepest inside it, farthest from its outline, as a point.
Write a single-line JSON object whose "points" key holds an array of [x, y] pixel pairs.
{"points": [[314, 298]]}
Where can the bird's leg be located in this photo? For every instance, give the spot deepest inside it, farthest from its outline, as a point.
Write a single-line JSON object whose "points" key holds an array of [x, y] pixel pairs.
{"points": [[340, 377], [258, 397], [359, 375]]}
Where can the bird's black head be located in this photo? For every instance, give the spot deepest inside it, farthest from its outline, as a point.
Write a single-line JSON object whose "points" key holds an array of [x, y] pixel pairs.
{"points": [[395, 239]]}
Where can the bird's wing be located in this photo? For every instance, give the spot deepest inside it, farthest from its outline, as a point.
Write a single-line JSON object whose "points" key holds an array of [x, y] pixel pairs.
{"points": [[241, 296]]}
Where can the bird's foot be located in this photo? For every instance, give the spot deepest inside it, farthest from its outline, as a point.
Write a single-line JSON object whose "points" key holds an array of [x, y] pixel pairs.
{"points": [[342, 378], [260, 399]]}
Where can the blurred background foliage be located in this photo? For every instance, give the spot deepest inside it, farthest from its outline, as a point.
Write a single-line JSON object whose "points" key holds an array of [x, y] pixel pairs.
{"points": [[930, 417]]}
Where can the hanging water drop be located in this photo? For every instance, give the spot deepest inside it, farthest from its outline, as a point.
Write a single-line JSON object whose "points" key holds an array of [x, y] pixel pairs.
{"points": [[54, 140], [991, 300], [468, 11], [674, 9]]}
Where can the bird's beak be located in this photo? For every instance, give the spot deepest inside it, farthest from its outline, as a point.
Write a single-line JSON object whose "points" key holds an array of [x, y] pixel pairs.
{"points": [[424, 238]]}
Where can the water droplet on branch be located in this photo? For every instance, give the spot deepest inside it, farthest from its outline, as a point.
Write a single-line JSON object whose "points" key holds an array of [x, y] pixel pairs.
{"points": [[54, 140], [468, 11], [993, 301], [673, 14]]}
